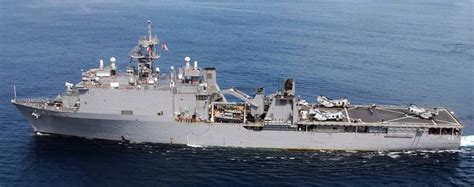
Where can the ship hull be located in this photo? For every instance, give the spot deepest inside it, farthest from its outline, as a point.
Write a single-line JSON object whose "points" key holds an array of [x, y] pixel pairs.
{"points": [[144, 129]]}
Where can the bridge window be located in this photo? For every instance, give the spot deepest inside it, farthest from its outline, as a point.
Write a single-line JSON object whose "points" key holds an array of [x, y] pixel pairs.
{"points": [[434, 131], [447, 131]]}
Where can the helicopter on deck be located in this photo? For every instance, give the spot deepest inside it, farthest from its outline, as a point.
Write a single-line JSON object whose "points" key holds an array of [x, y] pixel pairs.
{"points": [[422, 112], [329, 103]]}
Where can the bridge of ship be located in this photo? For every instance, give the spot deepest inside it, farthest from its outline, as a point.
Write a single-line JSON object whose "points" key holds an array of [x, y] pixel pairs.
{"points": [[163, 82]]}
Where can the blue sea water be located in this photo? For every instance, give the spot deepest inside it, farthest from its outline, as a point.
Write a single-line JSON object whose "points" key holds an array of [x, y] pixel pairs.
{"points": [[386, 52]]}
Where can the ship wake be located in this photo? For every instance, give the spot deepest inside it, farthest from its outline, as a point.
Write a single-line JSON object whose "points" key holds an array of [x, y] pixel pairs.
{"points": [[467, 141]]}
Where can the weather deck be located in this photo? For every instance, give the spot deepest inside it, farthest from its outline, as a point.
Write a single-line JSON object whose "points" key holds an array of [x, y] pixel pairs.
{"points": [[387, 116]]}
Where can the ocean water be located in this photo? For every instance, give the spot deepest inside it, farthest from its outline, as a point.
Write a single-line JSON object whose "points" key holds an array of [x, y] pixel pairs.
{"points": [[385, 52]]}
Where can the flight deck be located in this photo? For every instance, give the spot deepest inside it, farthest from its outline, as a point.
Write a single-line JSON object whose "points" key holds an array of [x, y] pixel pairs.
{"points": [[388, 115]]}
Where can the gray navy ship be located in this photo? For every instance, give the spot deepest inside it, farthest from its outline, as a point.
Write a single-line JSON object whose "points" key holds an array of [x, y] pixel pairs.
{"points": [[185, 105]]}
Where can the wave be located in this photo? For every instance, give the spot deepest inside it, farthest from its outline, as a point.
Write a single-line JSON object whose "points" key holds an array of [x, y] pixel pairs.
{"points": [[193, 145], [467, 141]]}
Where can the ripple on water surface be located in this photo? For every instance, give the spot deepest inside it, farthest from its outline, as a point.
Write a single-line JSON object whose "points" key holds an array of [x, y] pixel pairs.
{"points": [[74, 160]]}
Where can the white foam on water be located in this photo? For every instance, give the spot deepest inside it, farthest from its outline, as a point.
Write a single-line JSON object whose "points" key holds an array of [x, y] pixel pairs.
{"points": [[467, 141], [394, 156], [41, 134], [193, 145]]}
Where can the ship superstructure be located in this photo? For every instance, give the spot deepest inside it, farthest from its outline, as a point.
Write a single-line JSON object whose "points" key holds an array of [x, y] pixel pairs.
{"points": [[185, 105]]}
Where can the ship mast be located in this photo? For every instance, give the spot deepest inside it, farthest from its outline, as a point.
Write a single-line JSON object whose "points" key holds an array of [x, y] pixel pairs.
{"points": [[145, 53]]}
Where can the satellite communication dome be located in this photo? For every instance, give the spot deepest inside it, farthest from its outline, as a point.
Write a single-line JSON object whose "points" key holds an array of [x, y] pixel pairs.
{"points": [[187, 59], [112, 59]]}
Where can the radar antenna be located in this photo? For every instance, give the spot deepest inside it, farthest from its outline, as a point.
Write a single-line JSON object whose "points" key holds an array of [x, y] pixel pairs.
{"points": [[145, 53], [149, 30]]}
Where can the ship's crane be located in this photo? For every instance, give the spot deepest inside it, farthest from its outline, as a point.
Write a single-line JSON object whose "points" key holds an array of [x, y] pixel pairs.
{"points": [[239, 94], [329, 103], [422, 113], [257, 103]]}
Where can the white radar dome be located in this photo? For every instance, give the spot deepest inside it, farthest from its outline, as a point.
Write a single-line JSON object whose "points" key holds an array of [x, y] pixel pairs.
{"points": [[187, 59]]}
